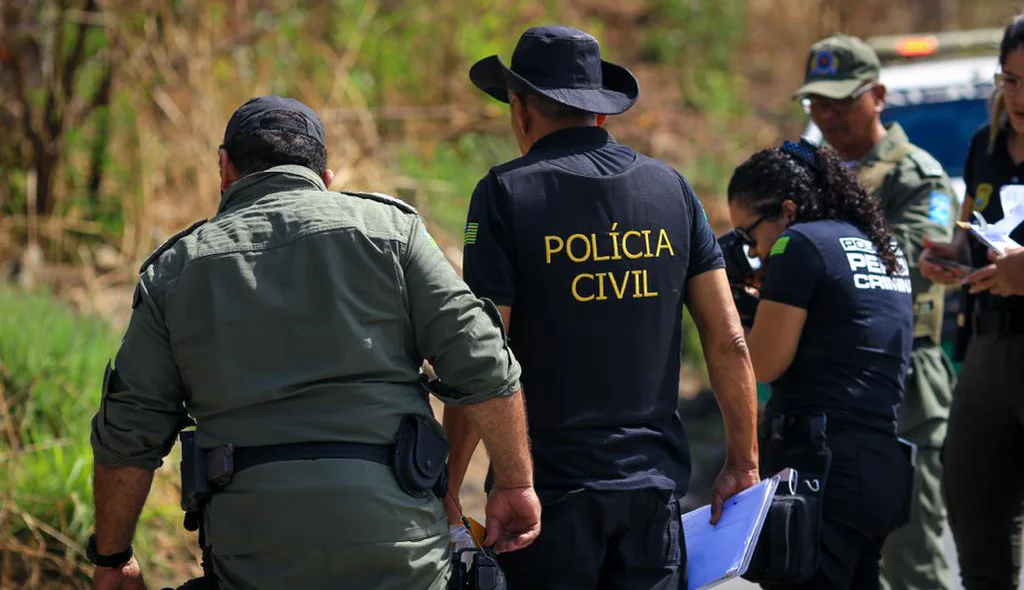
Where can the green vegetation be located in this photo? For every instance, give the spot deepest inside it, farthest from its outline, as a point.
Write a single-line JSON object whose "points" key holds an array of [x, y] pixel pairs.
{"points": [[112, 113], [700, 41], [450, 171], [51, 370], [140, 95]]}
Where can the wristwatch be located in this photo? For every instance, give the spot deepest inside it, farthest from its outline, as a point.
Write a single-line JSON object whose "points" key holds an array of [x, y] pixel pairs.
{"points": [[115, 560]]}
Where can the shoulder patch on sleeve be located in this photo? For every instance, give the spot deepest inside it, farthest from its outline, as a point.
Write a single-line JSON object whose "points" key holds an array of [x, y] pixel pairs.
{"points": [[382, 198], [169, 244], [926, 164], [469, 235], [940, 208], [779, 246], [982, 196], [703, 211]]}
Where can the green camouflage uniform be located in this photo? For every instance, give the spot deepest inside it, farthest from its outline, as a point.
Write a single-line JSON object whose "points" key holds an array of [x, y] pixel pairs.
{"points": [[302, 315], [917, 201]]}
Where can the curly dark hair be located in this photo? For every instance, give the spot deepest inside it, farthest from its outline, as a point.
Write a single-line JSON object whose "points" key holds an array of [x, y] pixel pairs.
{"points": [[824, 190]]}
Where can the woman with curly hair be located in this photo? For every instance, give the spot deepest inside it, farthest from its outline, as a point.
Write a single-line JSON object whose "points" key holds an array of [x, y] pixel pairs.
{"points": [[832, 334]]}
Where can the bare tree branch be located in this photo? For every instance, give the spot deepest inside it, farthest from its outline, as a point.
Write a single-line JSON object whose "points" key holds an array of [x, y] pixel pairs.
{"points": [[74, 61], [102, 137], [21, 91]]}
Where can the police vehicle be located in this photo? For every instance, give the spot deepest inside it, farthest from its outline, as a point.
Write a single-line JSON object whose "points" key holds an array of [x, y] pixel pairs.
{"points": [[938, 88]]}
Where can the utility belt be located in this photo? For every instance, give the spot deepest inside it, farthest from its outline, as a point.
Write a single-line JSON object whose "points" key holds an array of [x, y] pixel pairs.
{"points": [[788, 550], [975, 320], [922, 342], [418, 458], [1000, 323]]}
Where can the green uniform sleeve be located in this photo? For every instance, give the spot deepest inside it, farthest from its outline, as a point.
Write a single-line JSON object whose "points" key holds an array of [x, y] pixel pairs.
{"points": [[921, 207], [143, 404], [458, 333]]}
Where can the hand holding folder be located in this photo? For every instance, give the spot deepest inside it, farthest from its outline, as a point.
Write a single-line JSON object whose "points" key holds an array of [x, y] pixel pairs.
{"points": [[996, 236], [717, 553]]}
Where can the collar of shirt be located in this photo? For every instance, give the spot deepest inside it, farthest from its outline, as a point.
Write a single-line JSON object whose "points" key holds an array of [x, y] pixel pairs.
{"points": [[894, 136], [590, 134], [272, 180]]}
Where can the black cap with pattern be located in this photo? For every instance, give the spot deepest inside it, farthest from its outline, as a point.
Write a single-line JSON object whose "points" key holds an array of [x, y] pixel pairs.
{"points": [[264, 112]]}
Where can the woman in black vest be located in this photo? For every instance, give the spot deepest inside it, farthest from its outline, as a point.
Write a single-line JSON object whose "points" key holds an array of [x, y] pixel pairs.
{"points": [[832, 334], [982, 477]]}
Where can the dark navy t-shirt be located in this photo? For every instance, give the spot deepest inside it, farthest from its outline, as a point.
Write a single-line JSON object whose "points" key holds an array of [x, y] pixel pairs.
{"points": [[854, 351], [592, 244]]}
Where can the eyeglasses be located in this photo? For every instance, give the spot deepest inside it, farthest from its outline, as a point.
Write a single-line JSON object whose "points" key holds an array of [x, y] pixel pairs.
{"points": [[1008, 82], [839, 106], [744, 233]]}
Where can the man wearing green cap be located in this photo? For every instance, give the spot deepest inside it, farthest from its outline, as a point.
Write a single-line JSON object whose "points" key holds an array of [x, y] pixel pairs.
{"points": [[845, 99]]}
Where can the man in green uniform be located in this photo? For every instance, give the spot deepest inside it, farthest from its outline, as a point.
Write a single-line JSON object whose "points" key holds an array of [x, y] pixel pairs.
{"points": [[295, 316], [843, 95]]}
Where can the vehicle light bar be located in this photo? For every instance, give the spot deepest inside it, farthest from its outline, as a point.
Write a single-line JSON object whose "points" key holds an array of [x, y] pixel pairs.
{"points": [[917, 46], [931, 44]]}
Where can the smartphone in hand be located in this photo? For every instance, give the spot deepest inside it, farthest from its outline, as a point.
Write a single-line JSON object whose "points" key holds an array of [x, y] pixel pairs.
{"points": [[952, 265]]}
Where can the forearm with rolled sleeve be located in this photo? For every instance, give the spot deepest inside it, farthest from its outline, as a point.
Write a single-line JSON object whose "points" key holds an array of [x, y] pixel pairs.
{"points": [[143, 404], [454, 331]]}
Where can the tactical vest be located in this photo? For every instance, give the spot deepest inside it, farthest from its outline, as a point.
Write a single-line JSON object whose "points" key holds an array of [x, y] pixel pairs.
{"points": [[928, 304]]}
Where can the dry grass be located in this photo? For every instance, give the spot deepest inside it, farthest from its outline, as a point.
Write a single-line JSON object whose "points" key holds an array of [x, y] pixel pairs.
{"points": [[180, 72]]}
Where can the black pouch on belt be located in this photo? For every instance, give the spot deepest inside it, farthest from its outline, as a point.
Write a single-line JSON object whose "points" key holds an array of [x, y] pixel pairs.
{"points": [[483, 574], [789, 548], [421, 457]]}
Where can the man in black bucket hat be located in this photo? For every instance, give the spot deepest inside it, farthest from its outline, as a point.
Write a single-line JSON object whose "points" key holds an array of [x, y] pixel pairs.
{"points": [[597, 248]]}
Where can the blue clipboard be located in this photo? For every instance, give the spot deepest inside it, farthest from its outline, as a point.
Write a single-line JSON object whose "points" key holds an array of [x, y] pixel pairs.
{"points": [[716, 554]]}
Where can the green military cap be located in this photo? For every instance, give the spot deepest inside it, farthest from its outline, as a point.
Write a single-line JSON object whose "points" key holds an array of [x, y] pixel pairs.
{"points": [[838, 66]]}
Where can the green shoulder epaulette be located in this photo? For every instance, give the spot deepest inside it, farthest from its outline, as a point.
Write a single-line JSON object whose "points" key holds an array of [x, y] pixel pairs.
{"points": [[382, 198], [926, 164], [169, 244]]}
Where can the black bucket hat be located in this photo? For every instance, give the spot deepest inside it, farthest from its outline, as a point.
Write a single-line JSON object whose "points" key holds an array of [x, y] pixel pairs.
{"points": [[563, 64]]}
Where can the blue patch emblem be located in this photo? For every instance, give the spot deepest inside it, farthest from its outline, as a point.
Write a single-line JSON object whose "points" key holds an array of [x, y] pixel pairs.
{"points": [[940, 208], [824, 63]]}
